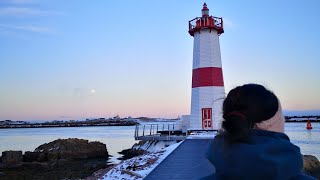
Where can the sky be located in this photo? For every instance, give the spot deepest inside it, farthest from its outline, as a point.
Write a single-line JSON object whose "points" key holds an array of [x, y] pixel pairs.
{"points": [[78, 59]]}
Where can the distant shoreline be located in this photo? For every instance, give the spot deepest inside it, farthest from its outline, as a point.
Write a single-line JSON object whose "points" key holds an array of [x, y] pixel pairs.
{"points": [[13, 124], [9, 124], [95, 125], [53, 126], [303, 121]]}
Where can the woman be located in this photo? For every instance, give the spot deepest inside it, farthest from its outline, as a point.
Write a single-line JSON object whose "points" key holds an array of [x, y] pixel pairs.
{"points": [[252, 144]]}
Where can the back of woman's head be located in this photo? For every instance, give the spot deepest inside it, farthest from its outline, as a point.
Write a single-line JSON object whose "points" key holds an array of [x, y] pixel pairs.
{"points": [[244, 106]]}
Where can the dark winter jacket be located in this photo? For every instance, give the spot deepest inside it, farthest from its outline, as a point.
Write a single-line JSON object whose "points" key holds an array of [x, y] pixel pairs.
{"points": [[267, 155]]}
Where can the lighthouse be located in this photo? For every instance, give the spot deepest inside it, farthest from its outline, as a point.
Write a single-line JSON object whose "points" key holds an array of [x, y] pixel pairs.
{"points": [[207, 78]]}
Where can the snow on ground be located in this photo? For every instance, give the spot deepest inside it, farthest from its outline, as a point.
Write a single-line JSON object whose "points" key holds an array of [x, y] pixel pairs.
{"points": [[140, 166], [202, 135], [153, 146]]}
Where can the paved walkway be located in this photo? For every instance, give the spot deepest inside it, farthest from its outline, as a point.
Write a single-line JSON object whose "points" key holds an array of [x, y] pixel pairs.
{"points": [[187, 161]]}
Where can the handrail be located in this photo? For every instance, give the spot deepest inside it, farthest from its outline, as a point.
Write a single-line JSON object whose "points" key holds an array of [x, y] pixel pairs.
{"points": [[153, 130], [210, 22]]}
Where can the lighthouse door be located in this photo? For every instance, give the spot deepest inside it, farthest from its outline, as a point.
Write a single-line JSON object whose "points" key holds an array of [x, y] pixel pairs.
{"points": [[206, 118]]}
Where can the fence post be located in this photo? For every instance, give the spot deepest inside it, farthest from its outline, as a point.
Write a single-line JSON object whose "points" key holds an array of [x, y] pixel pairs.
{"points": [[150, 129], [153, 131], [143, 130], [157, 128], [135, 132], [138, 130]]}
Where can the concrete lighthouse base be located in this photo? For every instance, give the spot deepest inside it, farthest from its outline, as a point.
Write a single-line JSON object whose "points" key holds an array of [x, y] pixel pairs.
{"points": [[200, 99]]}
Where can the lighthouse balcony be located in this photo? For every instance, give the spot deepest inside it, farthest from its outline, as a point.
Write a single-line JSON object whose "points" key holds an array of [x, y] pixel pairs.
{"points": [[209, 22]]}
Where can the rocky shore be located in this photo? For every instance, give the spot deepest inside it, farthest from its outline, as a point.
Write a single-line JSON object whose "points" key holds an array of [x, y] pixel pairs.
{"points": [[99, 122], [61, 159], [311, 166], [146, 155], [80, 159]]}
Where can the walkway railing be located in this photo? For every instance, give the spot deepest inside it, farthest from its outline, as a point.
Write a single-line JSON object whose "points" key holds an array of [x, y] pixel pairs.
{"points": [[158, 132]]}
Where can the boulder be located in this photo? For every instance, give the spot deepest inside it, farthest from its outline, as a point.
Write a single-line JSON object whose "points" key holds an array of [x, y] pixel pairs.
{"points": [[30, 156], [130, 153], [12, 157], [42, 157], [71, 149], [59, 159], [311, 166]]}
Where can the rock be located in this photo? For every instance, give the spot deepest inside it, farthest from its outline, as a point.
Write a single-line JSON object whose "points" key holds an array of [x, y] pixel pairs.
{"points": [[60, 169], [130, 153], [12, 157], [59, 159], [30, 156], [42, 157], [71, 148], [311, 166]]}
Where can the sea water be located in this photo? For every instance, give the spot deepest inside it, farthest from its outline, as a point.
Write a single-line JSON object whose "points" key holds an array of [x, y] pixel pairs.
{"points": [[118, 138], [307, 140]]}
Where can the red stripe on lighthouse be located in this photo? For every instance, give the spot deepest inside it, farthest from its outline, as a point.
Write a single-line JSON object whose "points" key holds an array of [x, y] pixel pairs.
{"points": [[209, 76]]}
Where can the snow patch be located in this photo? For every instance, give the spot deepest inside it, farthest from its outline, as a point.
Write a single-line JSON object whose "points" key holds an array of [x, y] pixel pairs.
{"points": [[139, 167], [153, 146], [202, 135], [51, 149]]}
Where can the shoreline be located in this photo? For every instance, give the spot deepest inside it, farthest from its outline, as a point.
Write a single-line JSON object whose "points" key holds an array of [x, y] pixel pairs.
{"points": [[54, 126], [303, 121], [16, 126], [12, 124]]}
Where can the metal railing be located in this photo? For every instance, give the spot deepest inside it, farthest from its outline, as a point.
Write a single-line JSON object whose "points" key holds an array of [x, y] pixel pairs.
{"points": [[155, 131], [210, 22]]}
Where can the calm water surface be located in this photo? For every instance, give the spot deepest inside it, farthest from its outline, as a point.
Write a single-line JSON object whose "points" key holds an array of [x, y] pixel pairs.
{"points": [[307, 140], [118, 138]]}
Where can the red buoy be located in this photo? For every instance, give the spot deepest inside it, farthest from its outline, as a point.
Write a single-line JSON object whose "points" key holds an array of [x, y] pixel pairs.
{"points": [[309, 126]]}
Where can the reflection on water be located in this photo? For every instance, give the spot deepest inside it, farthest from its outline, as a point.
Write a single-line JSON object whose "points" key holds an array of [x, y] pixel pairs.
{"points": [[118, 138]]}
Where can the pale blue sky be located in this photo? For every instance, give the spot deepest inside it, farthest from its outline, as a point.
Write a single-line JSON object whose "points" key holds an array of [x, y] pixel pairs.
{"points": [[76, 59]]}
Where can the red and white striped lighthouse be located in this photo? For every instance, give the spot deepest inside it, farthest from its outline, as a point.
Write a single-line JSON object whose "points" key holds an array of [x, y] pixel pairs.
{"points": [[207, 80]]}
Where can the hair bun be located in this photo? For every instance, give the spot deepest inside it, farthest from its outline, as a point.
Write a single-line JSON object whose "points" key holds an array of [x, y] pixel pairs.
{"points": [[237, 114], [235, 124]]}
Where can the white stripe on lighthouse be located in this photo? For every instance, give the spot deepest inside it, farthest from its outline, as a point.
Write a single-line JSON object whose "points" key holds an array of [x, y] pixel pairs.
{"points": [[206, 49]]}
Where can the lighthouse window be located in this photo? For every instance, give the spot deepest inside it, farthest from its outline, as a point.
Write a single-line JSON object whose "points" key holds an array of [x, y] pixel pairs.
{"points": [[205, 12]]}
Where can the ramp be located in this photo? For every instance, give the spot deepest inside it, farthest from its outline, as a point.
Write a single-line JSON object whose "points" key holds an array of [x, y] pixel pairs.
{"points": [[187, 161]]}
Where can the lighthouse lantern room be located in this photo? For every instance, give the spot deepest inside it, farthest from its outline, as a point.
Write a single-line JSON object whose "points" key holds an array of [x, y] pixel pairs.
{"points": [[207, 79]]}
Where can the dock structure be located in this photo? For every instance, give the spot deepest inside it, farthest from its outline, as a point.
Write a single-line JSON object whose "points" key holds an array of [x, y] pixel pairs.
{"points": [[187, 161], [159, 132]]}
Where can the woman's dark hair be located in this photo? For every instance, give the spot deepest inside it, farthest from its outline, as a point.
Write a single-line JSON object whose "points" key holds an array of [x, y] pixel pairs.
{"points": [[244, 106]]}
